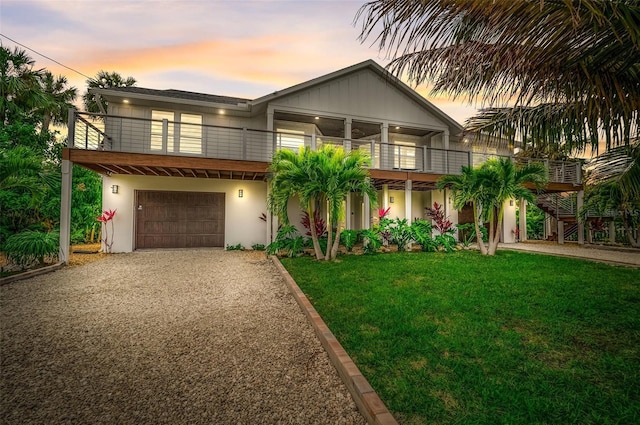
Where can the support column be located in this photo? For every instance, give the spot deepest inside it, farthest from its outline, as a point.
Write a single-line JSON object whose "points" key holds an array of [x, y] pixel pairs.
{"points": [[580, 202], [560, 232], [385, 196], [348, 213], [367, 212], [408, 186], [347, 134], [612, 230], [384, 147], [445, 139], [65, 212], [523, 220]]}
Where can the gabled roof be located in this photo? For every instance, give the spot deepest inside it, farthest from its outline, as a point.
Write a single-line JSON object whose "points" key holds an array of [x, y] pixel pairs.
{"points": [[375, 67], [173, 95]]}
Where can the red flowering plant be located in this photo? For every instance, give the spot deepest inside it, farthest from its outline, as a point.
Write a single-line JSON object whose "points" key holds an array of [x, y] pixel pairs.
{"points": [[105, 218], [440, 222], [320, 225]]}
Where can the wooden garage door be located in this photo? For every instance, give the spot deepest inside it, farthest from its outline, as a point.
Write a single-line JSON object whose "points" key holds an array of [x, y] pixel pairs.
{"points": [[179, 219]]}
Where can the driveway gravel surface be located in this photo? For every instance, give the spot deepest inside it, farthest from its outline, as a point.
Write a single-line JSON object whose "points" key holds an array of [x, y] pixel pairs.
{"points": [[164, 337]]}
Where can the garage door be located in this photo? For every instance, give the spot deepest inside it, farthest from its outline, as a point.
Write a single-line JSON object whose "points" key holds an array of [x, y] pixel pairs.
{"points": [[179, 219]]}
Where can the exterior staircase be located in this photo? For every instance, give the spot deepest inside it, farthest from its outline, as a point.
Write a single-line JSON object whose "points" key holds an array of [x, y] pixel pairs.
{"points": [[561, 206]]}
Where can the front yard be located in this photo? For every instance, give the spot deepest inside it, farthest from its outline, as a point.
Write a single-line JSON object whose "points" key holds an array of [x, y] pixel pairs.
{"points": [[459, 338]]}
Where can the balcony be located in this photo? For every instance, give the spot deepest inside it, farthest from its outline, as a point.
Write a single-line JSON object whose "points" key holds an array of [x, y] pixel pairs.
{"points": [[186, 148]]}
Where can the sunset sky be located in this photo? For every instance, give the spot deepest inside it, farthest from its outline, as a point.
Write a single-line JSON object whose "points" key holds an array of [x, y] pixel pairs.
{"points": [[235, 47]]}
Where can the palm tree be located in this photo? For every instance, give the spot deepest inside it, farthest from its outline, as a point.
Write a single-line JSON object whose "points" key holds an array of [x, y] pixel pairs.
{"points": [[20, 92], [104, 80], [569, 69], [466, 188], [58, 97], [327, 175], [488, 187], [613, 183]]}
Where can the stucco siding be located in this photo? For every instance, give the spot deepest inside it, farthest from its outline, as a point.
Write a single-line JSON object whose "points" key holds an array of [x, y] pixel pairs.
{"points": [[242, 222]]}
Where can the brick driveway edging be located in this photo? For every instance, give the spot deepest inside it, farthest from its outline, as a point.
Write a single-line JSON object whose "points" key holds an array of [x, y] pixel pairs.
{"points": [[367, 400]]}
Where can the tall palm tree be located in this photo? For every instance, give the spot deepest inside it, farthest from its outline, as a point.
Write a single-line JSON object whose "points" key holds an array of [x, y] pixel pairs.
{"points": [[20, 92], [488, 187], [58, 98], [104, 80], [569, 69], [327, 175], [466, 189], [613, 183]]}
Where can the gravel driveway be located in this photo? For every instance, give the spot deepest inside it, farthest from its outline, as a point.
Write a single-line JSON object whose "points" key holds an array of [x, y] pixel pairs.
{"points": [[175, 337]]}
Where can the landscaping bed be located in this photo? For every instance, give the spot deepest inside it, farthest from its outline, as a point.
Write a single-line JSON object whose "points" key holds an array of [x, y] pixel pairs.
{"points": [[461, 338]]}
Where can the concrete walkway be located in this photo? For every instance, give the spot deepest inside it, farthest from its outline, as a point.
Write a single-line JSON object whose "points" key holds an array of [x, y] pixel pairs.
{"points": [[624, 257]]}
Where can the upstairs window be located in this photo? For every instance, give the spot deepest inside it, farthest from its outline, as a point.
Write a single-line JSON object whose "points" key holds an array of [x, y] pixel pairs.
{"points": [[183, 132], [157, 130], [404, 155], [290, 139]]}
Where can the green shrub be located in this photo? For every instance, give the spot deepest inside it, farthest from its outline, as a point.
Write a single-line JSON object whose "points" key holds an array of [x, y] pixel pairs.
{"points": [[349, 238], [372, 241], [421, 233], [258, 247], [237, 247], [28, 247], [400, 233], [287, 242]]}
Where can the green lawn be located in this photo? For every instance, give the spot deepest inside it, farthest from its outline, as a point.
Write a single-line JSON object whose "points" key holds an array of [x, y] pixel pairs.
{"points": [[462, 339]]}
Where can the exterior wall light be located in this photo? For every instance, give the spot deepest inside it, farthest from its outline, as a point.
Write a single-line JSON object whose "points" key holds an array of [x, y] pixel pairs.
{"points": [[510, 202], [114, 188], [240, 193], [391, 199]]}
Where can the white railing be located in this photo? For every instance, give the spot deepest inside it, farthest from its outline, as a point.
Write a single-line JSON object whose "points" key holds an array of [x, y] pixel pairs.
{"points": [[163, 137]]}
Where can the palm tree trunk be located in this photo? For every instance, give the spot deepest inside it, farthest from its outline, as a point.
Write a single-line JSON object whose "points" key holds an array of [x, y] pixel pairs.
{"points": [[476, 221], [46, 121], [336, 244], [327, 256], [493, 244], [314, 235]]}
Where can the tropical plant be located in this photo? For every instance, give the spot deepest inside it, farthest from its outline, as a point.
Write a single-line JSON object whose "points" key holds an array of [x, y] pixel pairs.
{"points": [[20, 92], [287, 242], [30, 246], [440, 221], [488, 187], [103, 80], [104, 219], [400, 233], [422, 234], [58, 99], [568, 68], [613, 184], [326, 175], [349, 238], [321, 226], [371, 241]]}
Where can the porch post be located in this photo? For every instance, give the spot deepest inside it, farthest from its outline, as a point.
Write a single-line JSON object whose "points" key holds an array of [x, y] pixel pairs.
{"points": [[385, 196], [347, 131], [348, 213], [523, 220], [65, 211], [579, 203], [560, 232], [445, 139], [367, 212], [612, 230], [408, 187], [384, 146]]}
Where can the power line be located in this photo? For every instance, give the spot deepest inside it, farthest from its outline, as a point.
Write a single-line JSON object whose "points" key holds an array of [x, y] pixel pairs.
{"points": [[46, 57]]}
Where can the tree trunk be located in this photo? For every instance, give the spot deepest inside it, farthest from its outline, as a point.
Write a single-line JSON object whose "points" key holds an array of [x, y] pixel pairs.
{"points": [[46, 122], [314, 235], [493, 242], [327, 256], [336, 244], [635, 242], [476, 220]]}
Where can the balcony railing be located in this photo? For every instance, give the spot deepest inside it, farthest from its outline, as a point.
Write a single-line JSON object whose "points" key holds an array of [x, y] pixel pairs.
{"points": [[163, 137]]}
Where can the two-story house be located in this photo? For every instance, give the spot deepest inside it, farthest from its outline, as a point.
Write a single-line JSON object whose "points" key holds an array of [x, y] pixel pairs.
{"points": [[189, 169]]}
